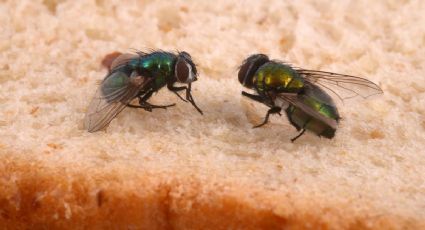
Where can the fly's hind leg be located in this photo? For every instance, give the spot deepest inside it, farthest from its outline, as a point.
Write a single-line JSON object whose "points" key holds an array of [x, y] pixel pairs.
{"points": [[148, 107], [272, 110], [143, 104], [298, 136]]}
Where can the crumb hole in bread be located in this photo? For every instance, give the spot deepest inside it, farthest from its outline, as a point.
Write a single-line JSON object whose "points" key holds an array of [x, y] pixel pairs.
{"points": [[34, 110], [100, 3], [286, 42], [359, 133], [55, 146], [100, 198], [36, 125], [3, 123], [417, 87], [245, 154], [279, 167], [52, 4], [103, 155], [36, 203], [80, 124], [4, 214], [5, 45], [131, 130], [398, 158], [168, 19], [377, 161], [184, 9], [376, 134], [97, 34]]}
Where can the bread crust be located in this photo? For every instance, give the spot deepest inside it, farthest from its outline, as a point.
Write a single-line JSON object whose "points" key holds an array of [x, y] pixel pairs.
{"points": [[34, 195]]}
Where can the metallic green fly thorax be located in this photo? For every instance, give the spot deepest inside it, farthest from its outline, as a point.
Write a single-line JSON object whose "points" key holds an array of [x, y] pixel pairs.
{"points": [[158, 65], [277, 76]]}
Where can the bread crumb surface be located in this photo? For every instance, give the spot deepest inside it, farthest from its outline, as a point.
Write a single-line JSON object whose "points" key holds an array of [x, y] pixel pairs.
{"points": [[371, 173]]}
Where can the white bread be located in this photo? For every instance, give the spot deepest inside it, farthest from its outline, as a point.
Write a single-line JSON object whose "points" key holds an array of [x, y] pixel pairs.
{"points": [[176, 169]]}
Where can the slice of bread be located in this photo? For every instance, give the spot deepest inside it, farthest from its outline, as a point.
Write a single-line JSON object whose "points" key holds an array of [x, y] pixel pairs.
{"points": [[176, 169]]}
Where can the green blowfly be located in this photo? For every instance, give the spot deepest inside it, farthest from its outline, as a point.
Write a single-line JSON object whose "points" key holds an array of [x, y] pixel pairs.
{"points": [[302, 93], [138, 76]]}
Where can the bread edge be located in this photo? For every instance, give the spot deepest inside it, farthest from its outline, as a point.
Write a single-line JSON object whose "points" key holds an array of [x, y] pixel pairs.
{"points": [[37, 196]]}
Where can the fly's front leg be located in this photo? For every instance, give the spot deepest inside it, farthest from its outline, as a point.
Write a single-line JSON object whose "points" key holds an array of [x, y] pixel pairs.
{"points": [[189, 97], [272, 110], [254, 97], [175, 89], [262, 99]]}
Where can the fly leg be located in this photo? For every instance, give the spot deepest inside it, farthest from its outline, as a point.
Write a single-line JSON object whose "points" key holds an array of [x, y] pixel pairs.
{"points": [[254, 97], [143, 104], [174, 89], [148, 107], [272, 110], [260, 99], [298, 136], [189, 97]]}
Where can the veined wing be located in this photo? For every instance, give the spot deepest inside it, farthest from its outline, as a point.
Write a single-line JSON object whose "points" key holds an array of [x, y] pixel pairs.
{"points": [[122, 59], [341, 85], [298, 101], [112, 96]]}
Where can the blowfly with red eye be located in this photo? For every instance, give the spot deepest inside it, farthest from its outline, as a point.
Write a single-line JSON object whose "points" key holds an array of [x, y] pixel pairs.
{"points": [[139, 75], [302, 93]]}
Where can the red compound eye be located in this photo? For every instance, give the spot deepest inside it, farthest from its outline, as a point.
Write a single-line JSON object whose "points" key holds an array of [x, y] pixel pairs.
{"points": [[182, 70], [249, 67]]}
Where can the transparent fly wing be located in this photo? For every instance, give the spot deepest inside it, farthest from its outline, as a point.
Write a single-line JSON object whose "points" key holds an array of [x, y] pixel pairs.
{"points": [[114, 93], [298, 101], [318, 94], [123, 59], [341, 85]]}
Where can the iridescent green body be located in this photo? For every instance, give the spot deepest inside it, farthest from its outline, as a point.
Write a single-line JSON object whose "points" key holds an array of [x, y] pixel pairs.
{"points": [[139, 76], [315, 98], [300, 92], [277, 76], [157, 65], [273, 78]]}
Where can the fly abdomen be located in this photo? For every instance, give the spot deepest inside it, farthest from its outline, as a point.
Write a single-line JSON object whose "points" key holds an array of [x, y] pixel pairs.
{"points": [[303, 120], [116, 80]]}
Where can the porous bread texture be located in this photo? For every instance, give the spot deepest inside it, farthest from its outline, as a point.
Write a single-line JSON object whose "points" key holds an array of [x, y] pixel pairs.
{"points": [[177, 169]]}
